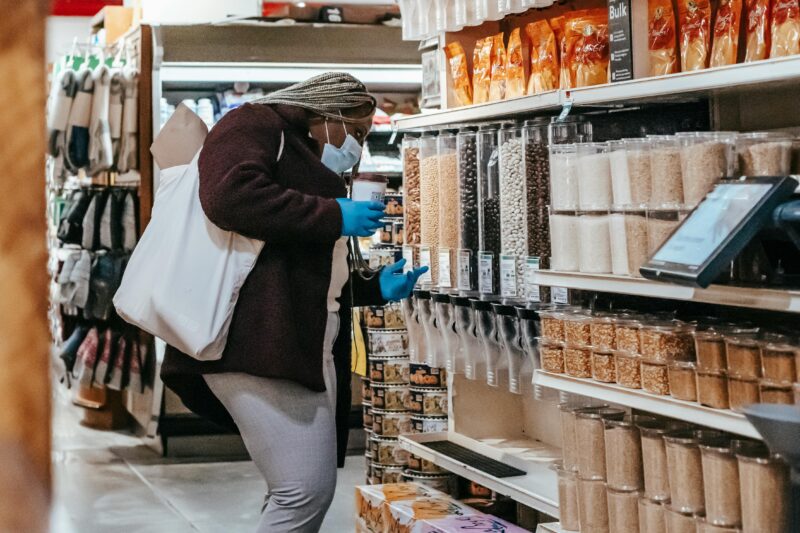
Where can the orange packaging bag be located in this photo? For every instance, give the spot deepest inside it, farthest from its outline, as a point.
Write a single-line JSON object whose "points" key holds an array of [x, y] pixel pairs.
{"points": [[661, 38], [587, 47], [497, 89], [558, 25], [757, 13], [785, 28], [695, 38], [515, 66], [482, 70], [725, 45], [544, 57], [457, 59]]}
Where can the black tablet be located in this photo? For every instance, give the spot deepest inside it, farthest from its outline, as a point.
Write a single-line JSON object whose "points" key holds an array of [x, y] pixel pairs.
{"points": [[717, 230]]}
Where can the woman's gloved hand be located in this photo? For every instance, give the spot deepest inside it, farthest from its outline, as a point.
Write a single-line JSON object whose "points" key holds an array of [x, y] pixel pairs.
{"points": [[360, 219], [397, 286]]}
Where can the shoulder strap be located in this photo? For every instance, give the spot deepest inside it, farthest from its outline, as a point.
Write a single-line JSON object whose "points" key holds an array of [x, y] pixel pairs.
{"points": [[280, 148]]}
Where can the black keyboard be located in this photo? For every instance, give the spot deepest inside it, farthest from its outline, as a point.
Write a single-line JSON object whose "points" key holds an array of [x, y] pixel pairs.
{"points": [[474, 459]]}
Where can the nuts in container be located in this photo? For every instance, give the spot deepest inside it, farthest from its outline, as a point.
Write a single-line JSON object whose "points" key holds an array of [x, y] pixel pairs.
{"points": [[743, 351], [683, 380], [684, 465], [742, 392], [578, 361], [655, 378], [712, 389], [577, 329], [626, 334], [778, 358], [603, 366], [629, 369], [552, 355], [667, 341], [710, 349], [603, 334], [552, 325]]}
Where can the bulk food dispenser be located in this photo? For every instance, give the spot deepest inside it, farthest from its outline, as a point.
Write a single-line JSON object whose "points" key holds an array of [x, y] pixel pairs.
{"points": [[471, 349], [486, 326], [516, 361], [425, 317], [445, 323], [464, 329], [488, 210], [416, 334]]}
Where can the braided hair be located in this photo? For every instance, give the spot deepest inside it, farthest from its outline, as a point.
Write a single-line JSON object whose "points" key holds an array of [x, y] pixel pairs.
{"points": [[326, 95]]}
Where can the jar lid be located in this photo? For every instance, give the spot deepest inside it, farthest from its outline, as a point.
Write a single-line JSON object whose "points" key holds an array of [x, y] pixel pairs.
{"points": [[653, 361], [720, 445], [757, 453], [659, 426], [625, 353], [549, 342], [669, 327], [742, 339], [683, 365], [629, 421], [713, 373], [577, 317], [576, 346], [687, 437], [554, 314], [765, 383], [603, 318], [600, 413], [627, 322], [735, 376], [599, 350], [779, 342]]}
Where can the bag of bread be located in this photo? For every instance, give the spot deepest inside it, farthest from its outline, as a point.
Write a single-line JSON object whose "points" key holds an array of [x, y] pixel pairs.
{"points": [[725, 45], [457, 59], [543, 57], [587, 47], [558, 25], [694, 26], [757, 30], [661, 38], [785, 28], [515, 66], [497, 89], [482, 70]]}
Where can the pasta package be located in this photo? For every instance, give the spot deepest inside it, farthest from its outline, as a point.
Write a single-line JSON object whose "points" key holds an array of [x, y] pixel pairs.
{"points": [[558, 25], [482, 70], [587, 47], [515, 66], [662, 41], [725, 45], [457, 59], [543, 57], [785, 28], [695, 37], [757, 14], [497, 88]]}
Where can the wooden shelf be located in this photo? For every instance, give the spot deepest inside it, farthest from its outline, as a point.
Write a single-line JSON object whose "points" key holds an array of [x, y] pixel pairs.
{"points": [[767, 299], [537, 489], [722, 419]]}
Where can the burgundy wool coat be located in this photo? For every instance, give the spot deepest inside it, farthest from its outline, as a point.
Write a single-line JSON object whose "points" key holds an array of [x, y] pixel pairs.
{"points": [[278, 324]]}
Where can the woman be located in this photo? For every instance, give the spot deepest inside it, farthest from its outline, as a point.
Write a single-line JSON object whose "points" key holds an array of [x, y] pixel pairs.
{"points": [[271, 170]]}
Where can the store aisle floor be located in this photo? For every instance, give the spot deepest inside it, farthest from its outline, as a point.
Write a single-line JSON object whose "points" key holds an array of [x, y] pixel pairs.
{"points": [[107, 482]]}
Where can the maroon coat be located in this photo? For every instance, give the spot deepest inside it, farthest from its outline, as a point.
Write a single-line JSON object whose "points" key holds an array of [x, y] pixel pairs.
{"points": [[278, 325]]}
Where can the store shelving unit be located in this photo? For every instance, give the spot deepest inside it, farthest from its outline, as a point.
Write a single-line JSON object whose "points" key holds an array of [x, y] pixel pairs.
{"points": [[723, 419], [754, 298]]}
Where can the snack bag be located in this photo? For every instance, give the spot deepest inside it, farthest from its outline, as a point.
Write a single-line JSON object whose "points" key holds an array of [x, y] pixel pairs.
{"points": [[557, 24], [661, 41], [587, 47], [457, 59], [757, 13], [497, 88], [544, 57], [695, 38], [785, 28], [515, 66], [726, 33], [482, 70]]}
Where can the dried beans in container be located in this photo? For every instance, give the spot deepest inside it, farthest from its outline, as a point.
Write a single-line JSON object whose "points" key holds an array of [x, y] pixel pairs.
{"points": [[468, 199], [489, 199]]}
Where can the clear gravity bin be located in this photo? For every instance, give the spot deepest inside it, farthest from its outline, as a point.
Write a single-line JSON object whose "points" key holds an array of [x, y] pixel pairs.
{"points": [[445, 324], [416, 335], [486, 325], [464, 330], [471, 349], [425, 318], [517, 363]]}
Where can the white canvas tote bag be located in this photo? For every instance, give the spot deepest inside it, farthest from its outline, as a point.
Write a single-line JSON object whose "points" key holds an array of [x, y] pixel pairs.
{"points": [[183, 279]]}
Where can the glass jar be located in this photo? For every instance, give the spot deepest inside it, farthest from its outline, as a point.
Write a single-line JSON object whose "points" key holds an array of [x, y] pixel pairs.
{"points": [[564, 242], [655, 377], [569, 439], [685, 471], [710, 350], [778, 358], [712, 389], [552, 322], [628, 240], [651, 515], [577, 328], [683, 380], [654, 459], [764, 489], [578, 360], [773, 392], [537, 184], [602, 329], [678, 522], [564, 177], [661, 222], [764, 154], [594, 177], [666, 184], [513, 200], [626, 334], [603, 366], [706, 158], [411, 190], [623, 445], [593, 505], [743, 352], [567, 498], [589, 431], [667, 341], [595, 243], [628, 369], [623, 511], [551, 355], [742, 392], [489, 200], [721, 481], [429, 200]]}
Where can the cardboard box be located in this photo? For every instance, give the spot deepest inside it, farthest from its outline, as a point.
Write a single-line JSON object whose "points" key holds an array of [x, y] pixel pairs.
{"points": [[470, 523], [414, 516], [371, 500]]}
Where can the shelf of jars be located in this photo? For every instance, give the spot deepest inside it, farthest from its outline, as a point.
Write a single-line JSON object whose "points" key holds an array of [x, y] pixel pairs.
{"points": [[722, 419], [537, 489], [754, 298], [734, 78]]}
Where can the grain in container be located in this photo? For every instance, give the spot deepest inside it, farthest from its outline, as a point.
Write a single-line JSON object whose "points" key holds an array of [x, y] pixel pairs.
{"points": [[564, 177], [594, 241], [623, 511], [589, 431], [593, 505], [721, 481], [628, 240], [565, 246], [513, 200], [448, 196], [778, 358], [651, 516], [775, 392], [764, 489], [567, 497], [665, 170], [742, 392], [743, 353], [594, 177], [661, 222], [578, 360], [623, 448], [706, 158], [764, 154], [678, 522], [654, 458], [665, 341], [429, 200], [685, 470], [683, 380]]}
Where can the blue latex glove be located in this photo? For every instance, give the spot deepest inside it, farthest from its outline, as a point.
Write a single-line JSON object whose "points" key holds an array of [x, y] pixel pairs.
{"points": [[360, 219], [397, 286]]}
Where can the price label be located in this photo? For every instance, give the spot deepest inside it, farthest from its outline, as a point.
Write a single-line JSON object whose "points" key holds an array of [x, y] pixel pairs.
{"points": [[531, 288], [559, 295], [408, 255], [445, 281], [486, 273], [508, 276], [425, 261], [464, 268]]}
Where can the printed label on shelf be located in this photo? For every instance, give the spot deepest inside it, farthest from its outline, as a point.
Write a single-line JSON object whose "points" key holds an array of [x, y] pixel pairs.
{"points": [[486, 273], [559, 295], [408, 255], [464, 278], [425, 261], [508, 276], [531, 288], [444, 269]]}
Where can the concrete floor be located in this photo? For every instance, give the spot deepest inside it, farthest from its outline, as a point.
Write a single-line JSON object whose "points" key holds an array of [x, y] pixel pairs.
{"points": [[108, 482]]}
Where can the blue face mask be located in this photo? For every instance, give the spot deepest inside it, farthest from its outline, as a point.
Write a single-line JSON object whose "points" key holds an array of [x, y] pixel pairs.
{"points": [[343, 158]]}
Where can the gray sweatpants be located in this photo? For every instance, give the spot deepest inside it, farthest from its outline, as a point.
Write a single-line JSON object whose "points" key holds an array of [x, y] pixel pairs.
{"points": [[290, 433]]}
